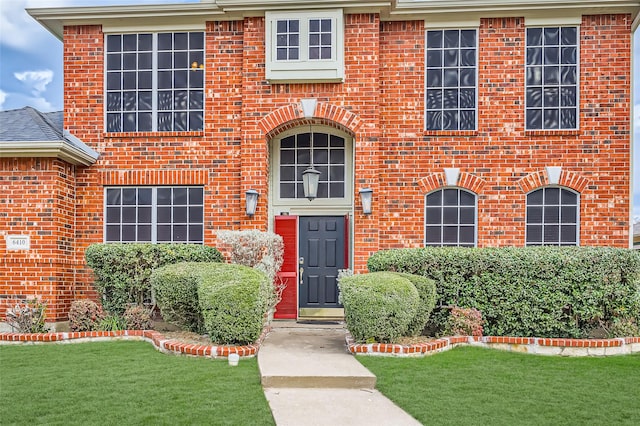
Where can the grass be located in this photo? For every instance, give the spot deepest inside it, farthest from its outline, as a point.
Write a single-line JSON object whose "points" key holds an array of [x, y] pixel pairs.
{"points": [[475, 386], [125, 383]]}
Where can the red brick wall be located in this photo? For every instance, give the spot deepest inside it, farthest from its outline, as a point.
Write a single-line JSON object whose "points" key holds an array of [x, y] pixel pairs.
{"points": [[380, 103], [37, 198]]}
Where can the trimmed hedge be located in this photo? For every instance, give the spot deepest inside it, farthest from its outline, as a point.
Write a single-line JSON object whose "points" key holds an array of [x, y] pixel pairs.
{"points": [[234, 300], [528, 291], [378, 306], [122, 271], [175, 288]]}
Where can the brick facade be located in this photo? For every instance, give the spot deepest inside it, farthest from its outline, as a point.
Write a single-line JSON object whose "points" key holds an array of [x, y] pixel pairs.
{"points": [[380, 104]]}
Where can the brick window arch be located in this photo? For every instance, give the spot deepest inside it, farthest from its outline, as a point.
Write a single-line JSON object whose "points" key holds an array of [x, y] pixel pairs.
{"points": [[451, 218], [553, 217]]}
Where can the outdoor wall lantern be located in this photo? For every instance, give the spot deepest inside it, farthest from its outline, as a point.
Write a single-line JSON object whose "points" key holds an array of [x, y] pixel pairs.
{"points": [[366, 195], [252, 201]]}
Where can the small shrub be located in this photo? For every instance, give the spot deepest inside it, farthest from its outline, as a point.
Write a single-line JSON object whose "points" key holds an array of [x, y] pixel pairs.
{"points": [[85, 315], [112, 322], [378, 306], [234, 300], [122, 271], [137, 318], [623, 327], [256, 249], [176, 292], [427, 291], [28, 318], [464, 322]]}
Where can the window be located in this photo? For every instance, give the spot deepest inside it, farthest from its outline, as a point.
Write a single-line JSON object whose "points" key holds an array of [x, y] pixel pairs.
{"points": [[305, 46], [552, 217], [328, 158], [450, 218], [451, 80], [154, 214], [552, 78], [155, 82]]}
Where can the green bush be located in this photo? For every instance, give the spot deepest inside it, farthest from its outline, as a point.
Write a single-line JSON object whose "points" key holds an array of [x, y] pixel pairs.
{"points": [[427, 291], [528, 291], [378, 306], [122, 271], [175, 288], [234, 300]]}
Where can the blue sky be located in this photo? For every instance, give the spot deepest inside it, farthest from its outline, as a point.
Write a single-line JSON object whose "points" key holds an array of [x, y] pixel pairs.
{"points": [[31, 64]]}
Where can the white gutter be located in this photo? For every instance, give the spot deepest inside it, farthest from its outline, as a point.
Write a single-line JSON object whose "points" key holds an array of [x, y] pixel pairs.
{"points": [[57, 149]]}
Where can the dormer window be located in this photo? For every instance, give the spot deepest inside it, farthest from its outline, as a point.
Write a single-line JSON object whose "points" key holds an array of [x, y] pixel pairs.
{"points": [[305, 46]]}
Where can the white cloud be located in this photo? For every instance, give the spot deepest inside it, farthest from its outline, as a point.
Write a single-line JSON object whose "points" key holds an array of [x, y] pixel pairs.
{"points": [[3, 97], [36, 80]]}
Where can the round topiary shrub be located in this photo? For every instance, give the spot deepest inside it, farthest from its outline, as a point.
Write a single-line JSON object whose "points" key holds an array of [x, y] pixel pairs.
{"points": [[379, 306], [85, 315], [427, 291], [175, 288], [234, 300]]}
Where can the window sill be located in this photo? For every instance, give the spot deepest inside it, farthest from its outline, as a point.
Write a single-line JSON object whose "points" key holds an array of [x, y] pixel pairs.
{"points": [[450, 133], [133, 135], [552, 132]]}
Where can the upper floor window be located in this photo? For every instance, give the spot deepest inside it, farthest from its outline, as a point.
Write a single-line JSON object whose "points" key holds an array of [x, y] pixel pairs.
{"points": [[552, 217], [450, 218], [451, 79], [552, 78], [328, 153], [154, 214], [305, 46], [154, 82]]}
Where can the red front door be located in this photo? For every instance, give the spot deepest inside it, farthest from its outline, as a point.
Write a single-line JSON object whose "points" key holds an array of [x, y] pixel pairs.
{"points": [[287, 228]]}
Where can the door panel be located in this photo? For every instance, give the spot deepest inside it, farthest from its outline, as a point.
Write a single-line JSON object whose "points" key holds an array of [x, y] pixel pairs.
{"points": [[287, 228], [322, 254]]}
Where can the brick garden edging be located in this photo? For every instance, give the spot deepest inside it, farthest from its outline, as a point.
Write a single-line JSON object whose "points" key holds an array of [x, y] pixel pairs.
{"points": [[532, 345], [157, 339]]}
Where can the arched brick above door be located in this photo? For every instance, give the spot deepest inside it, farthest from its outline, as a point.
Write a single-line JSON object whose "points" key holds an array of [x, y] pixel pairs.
{"points": [[290, 116]]}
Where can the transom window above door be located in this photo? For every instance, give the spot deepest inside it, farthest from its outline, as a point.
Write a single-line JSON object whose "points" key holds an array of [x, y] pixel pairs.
{"points": [[326, 153], [154, 82]]}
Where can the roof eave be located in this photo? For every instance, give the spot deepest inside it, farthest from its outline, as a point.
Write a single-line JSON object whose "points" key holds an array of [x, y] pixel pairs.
{"points": [[48, 149], [55, 19], [416, 9]]}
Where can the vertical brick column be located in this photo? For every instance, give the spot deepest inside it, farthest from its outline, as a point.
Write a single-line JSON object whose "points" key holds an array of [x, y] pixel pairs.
{"points": [[362, 64], [254, 149]]}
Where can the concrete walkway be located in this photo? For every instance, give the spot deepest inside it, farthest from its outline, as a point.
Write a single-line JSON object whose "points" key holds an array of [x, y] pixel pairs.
{"points": [[310, 378]]}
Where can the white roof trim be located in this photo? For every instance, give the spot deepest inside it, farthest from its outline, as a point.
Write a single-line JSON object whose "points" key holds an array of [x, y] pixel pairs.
{"points": [[54, 19], [58, 149]]}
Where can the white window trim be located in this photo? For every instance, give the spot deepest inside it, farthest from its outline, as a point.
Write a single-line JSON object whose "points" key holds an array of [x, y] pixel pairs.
{"points": [[154, 86], [477, 69], [475, 225], [305, 70], [526, 217], [154, 213], [547, 23]]}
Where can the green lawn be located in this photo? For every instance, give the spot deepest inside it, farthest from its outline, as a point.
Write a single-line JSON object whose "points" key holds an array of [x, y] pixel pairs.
{"points": [[124, 383], [478, 386]]}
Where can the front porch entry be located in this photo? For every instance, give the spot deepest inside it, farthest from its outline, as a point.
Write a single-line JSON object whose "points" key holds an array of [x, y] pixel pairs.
{"points": [[316, 233]]}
